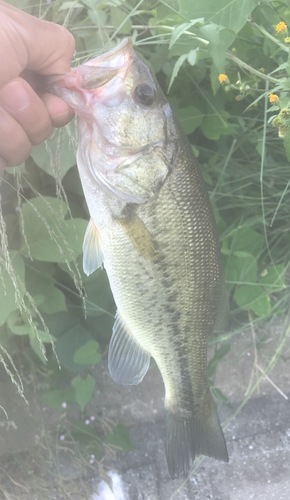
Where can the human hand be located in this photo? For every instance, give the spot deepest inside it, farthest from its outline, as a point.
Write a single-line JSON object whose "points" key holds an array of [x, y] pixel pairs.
{"points": [[29, 47]]}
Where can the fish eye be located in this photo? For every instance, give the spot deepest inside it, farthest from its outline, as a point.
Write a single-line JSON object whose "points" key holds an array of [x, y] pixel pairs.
{"points": [[144, 94]]}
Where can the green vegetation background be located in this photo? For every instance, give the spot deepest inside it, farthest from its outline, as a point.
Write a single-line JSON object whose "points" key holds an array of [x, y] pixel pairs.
{"points": [[51, 314]]}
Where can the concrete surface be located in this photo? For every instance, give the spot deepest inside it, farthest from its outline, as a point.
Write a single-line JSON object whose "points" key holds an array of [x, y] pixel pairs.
{"points": [[258, 437]]}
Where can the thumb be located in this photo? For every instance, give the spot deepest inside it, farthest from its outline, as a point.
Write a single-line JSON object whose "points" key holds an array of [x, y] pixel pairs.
{"points": [[31, 43]]}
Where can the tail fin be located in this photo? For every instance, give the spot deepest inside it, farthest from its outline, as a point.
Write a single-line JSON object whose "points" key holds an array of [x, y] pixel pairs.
{"points": [[188, 437]]}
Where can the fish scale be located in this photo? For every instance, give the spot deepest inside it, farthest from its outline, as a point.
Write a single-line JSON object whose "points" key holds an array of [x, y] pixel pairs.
{"points": [[153, 230]]}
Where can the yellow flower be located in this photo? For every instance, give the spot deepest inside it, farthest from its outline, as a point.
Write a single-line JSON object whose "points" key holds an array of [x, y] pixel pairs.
{"points": [[287, 39], [223, 78], [280, 27], [273, 98]]}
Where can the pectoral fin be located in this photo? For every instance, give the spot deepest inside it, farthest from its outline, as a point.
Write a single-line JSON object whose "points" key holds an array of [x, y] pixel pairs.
{"points": [[138, 233], [128, 362], [92, 253]]}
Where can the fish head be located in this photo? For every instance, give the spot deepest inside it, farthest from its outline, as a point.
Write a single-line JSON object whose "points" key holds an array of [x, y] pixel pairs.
{"points": [[122, 115]]}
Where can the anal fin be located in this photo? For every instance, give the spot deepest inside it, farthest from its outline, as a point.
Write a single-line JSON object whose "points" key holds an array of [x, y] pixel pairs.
{"points": [[128, 362]]}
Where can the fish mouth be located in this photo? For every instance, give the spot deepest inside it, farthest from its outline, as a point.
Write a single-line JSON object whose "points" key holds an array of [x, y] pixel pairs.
{"points": [[93, 74]]}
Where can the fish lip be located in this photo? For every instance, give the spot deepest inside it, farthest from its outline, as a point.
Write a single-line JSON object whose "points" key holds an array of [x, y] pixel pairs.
{"points": [[125, 47], [103, 68], [94, 73]]}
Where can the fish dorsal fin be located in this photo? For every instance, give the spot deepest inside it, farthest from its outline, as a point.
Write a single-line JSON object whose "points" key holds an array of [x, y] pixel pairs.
{"points": [[92, 253], [139, 235], [128, 362]]}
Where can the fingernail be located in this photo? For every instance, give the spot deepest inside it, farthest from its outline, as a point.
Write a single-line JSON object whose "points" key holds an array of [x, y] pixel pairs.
{"points": [[14, 96]]}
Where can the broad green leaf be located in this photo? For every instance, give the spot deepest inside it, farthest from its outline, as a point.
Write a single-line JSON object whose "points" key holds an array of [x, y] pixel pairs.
{"points": [[99, 295], [40, 285], [253, 298], [190, 118], [214, 126], [220, 39], [68, 344], [244, 238], [88, 354], [36, 343], [57, 155], [121, 19], [7, 286], [16, 323], [55, 398], [84, 389], [48, 235], [241, 268], [231, 14], [273, 277], [119, 438]]}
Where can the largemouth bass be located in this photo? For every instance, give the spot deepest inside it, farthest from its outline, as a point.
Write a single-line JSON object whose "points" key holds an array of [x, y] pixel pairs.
{"points": [[153, 230]]}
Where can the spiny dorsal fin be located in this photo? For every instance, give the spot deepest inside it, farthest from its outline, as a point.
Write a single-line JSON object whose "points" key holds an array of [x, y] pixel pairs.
{"points": [[128, 362], [92, 253]]}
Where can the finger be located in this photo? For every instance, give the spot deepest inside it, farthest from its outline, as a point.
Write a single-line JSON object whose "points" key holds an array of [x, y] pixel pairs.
{"points": [[32, 43], [3, 164], [15, 145], [48, 59], [27, 108], [60, 112]]}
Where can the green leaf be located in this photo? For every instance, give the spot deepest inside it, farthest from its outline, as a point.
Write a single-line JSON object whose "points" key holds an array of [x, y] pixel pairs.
{"points": [[220, 39], [176, 69], [190, 118], [273, 277], [190, 56], [84, 389], [181, 29], [241, 268], [253, 298], [119, 438], [57, 155], [69, 343], [88, 354], [7, 287], [121, 19], [231, 14], [244, 238], [16, 323], [48, 235], [40, 285], [36, 342], [214, 126], [99, 296], [55, 398]]}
